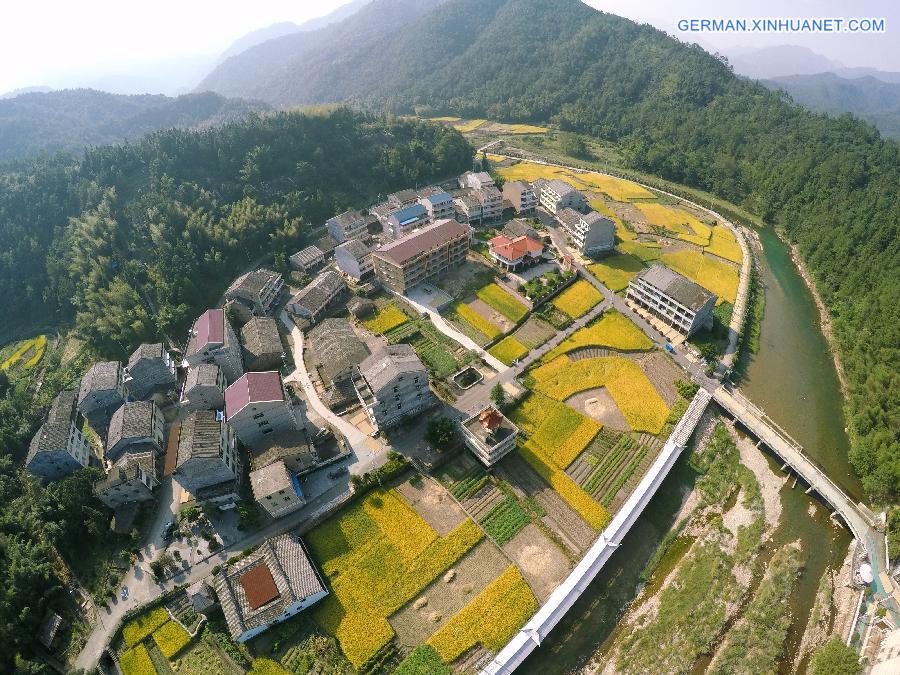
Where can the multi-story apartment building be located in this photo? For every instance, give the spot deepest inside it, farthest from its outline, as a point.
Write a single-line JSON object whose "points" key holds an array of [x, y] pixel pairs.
{"points": [[402, 198], [308, 259], [347, 225], [204, 388], [468, 208], [276, 489], [489, 435], [59, 447], [405, 220], [438, 206], [150, 369], [212, 340], [491, 203], [679, 302], [521, 195], [268, 586], [257, 405], [207, 452], [392, 384], [557, 195], [354, 259], [421, 255], [254, 293], [101, 393], [136, 427], [589, 232]]}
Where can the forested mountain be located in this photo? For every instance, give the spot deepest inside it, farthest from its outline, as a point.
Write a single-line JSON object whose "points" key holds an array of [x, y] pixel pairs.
{"points": [[871, 99], [71, 119], [830, 184], [130, 243], [336, 48]]}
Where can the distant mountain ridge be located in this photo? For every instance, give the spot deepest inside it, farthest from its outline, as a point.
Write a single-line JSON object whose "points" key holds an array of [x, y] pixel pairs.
{"points": [[71, 119], [867, 97], [766, 63]]}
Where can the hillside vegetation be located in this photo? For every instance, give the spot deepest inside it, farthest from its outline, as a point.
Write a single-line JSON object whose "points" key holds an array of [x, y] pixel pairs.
{"points": [[131, 243], [831, 185], [72, 119]]}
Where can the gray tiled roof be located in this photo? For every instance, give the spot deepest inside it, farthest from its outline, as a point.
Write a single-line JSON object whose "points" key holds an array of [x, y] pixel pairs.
{"points": [[292, 571], [307, 256], [317, 293], [420, 241], [560, 187], [356, 248], [126, 469], [676, 286], [205, 374], [388, 363], [284, 445], [201, 436], [145, 351], [326, 244], [260, 336], [133, 419], [53, 434], [336, 347], [254, 281], [518, 227], [348, 219], [103, 376]]}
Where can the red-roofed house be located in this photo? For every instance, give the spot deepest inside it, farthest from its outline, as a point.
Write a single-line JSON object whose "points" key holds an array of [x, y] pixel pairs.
{"points": [[212, 340], [511, 254], [257, 405]]}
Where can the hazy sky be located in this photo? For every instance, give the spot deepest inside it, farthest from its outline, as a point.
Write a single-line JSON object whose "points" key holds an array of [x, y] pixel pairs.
{"points": [[71, 42]]}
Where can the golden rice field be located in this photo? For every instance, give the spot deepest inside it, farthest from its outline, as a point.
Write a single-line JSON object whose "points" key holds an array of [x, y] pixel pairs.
{"points": [[508, 350], [469, 125], [617, 188], [643, 250], [141, 626], [612, 330], [578, 299], [490, 619], [444, 119], [171, 638], [495, 158], [388, 317], [518, 128], [714, 275], [136, 661], [559, 431], [638, 401], [616, 271], [724, 244], [580, 501], [379, 554], [687, 227], [503, 302], [476, 321]]}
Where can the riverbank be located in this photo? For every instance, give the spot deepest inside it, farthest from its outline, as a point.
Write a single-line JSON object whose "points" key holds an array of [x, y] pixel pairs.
{"points": [[824, 317]]}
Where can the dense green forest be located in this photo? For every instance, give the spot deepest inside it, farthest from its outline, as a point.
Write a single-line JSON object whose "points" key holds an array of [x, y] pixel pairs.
{"points": [[72, 119], [830, 185], [130, 243]]}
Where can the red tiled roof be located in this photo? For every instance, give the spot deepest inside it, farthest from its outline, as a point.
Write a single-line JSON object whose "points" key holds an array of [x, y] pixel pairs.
{"points": [[252, 388], [210, 327], [259, 586], [513, 249]]}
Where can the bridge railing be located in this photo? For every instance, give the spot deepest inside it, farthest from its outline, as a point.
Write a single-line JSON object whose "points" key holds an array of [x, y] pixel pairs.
{"points": [[794, 445]]}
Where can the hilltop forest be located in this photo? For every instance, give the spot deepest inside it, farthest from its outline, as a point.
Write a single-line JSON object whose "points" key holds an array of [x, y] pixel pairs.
{"points": [[129, 243], [830, 185]]}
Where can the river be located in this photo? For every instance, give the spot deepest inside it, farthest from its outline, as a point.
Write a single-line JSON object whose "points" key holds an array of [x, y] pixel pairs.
{"points": [[792, 378]]}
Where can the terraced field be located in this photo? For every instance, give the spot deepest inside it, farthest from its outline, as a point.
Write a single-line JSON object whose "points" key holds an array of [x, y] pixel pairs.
{"points": [[578, 299], [616, 271]]}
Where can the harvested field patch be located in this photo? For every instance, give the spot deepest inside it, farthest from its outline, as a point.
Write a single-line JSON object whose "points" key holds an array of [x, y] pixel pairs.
{"points": [[469, 125], [477, 322], [686, 226], [578, 299], [541, 562], [433, 505], [599, 405], [714, 275], [534, 332]]}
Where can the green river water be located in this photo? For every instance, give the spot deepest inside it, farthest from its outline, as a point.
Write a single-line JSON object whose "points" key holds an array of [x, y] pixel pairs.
{"points": [[792, 378]]}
